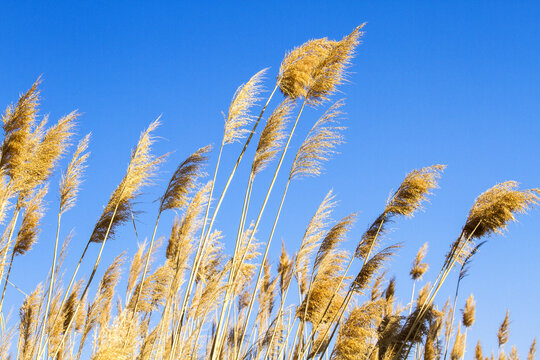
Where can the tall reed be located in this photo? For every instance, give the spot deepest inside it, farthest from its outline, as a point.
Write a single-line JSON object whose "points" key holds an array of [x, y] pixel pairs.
{"points": [[188, 295]]}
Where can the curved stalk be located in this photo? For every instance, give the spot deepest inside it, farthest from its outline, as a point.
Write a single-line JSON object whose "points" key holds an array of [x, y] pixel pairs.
{"points": [[204, 237], [435, 289], [98, 259], [40, 353], [447, 338], [251, 301], [51, 284], [15, 217], [213, 352], [147, 261], [341, 310], [412, 297], [280, 310]]}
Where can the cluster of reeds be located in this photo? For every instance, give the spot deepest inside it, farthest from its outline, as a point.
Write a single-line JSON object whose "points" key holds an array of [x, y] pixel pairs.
{"points": [[188, 299]]}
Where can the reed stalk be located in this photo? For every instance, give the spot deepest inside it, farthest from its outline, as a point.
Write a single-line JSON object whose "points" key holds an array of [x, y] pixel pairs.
{"points": [[202, 243]]}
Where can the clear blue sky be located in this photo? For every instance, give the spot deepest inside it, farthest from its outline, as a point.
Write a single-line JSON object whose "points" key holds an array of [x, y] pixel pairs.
{"points": [[455, 83]]}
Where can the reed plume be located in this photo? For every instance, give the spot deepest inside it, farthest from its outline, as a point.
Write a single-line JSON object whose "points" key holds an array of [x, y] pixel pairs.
{"points": [[504, 331], [376, 288], [184, 180], [295, 72], [514, 353], [238, 116], [116, 343], [478, 354], [320, 143], [358, 331], [313, 235], [272, 136], [18, 122], [285, 270], [374, 264], [330, 71], [71, 180], [419, 268], [190, 224], [141, 169], [49, 150], [432, 346], [495, 208], [532, 351], [408, 198], [468, 312], [29, 318], [153, 290], [136, 267], [458, 350], [324, 298], [98, 313], [6, 336], [30, 224], [174, 309], [333, 238]]}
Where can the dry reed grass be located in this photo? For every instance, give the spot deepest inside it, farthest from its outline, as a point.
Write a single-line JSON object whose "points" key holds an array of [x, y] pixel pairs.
{"points": [[188, 299]]}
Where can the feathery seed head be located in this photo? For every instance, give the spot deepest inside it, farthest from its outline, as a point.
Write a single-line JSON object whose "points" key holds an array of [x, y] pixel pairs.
{"points": [[405, 201], [49, 150], [468, 312], [272, 136], [313, 235], [514, 353], [334, 236], [496, 207], [295, 72], [357, 332], [141, 169], [376, 288], [414, 190], [30, 224], [319, 145], [184, 179], [238, 116], [371, 267], [423, 295], [136, 267], [323, 288], [532, 351], [419, 268], [180, 242], [478, 355], [458, 350], [330, 72], [71, 180], [285, 269], [28, 323], [18, 122], [504, 331], [390, 289], [213, 257]]}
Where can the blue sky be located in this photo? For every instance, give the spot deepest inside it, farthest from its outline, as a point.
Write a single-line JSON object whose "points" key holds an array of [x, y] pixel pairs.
{"points": [[455, 83]]}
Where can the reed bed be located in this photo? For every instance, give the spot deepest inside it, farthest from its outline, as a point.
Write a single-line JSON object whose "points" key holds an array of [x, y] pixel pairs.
{"points": [[190, 297]]}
